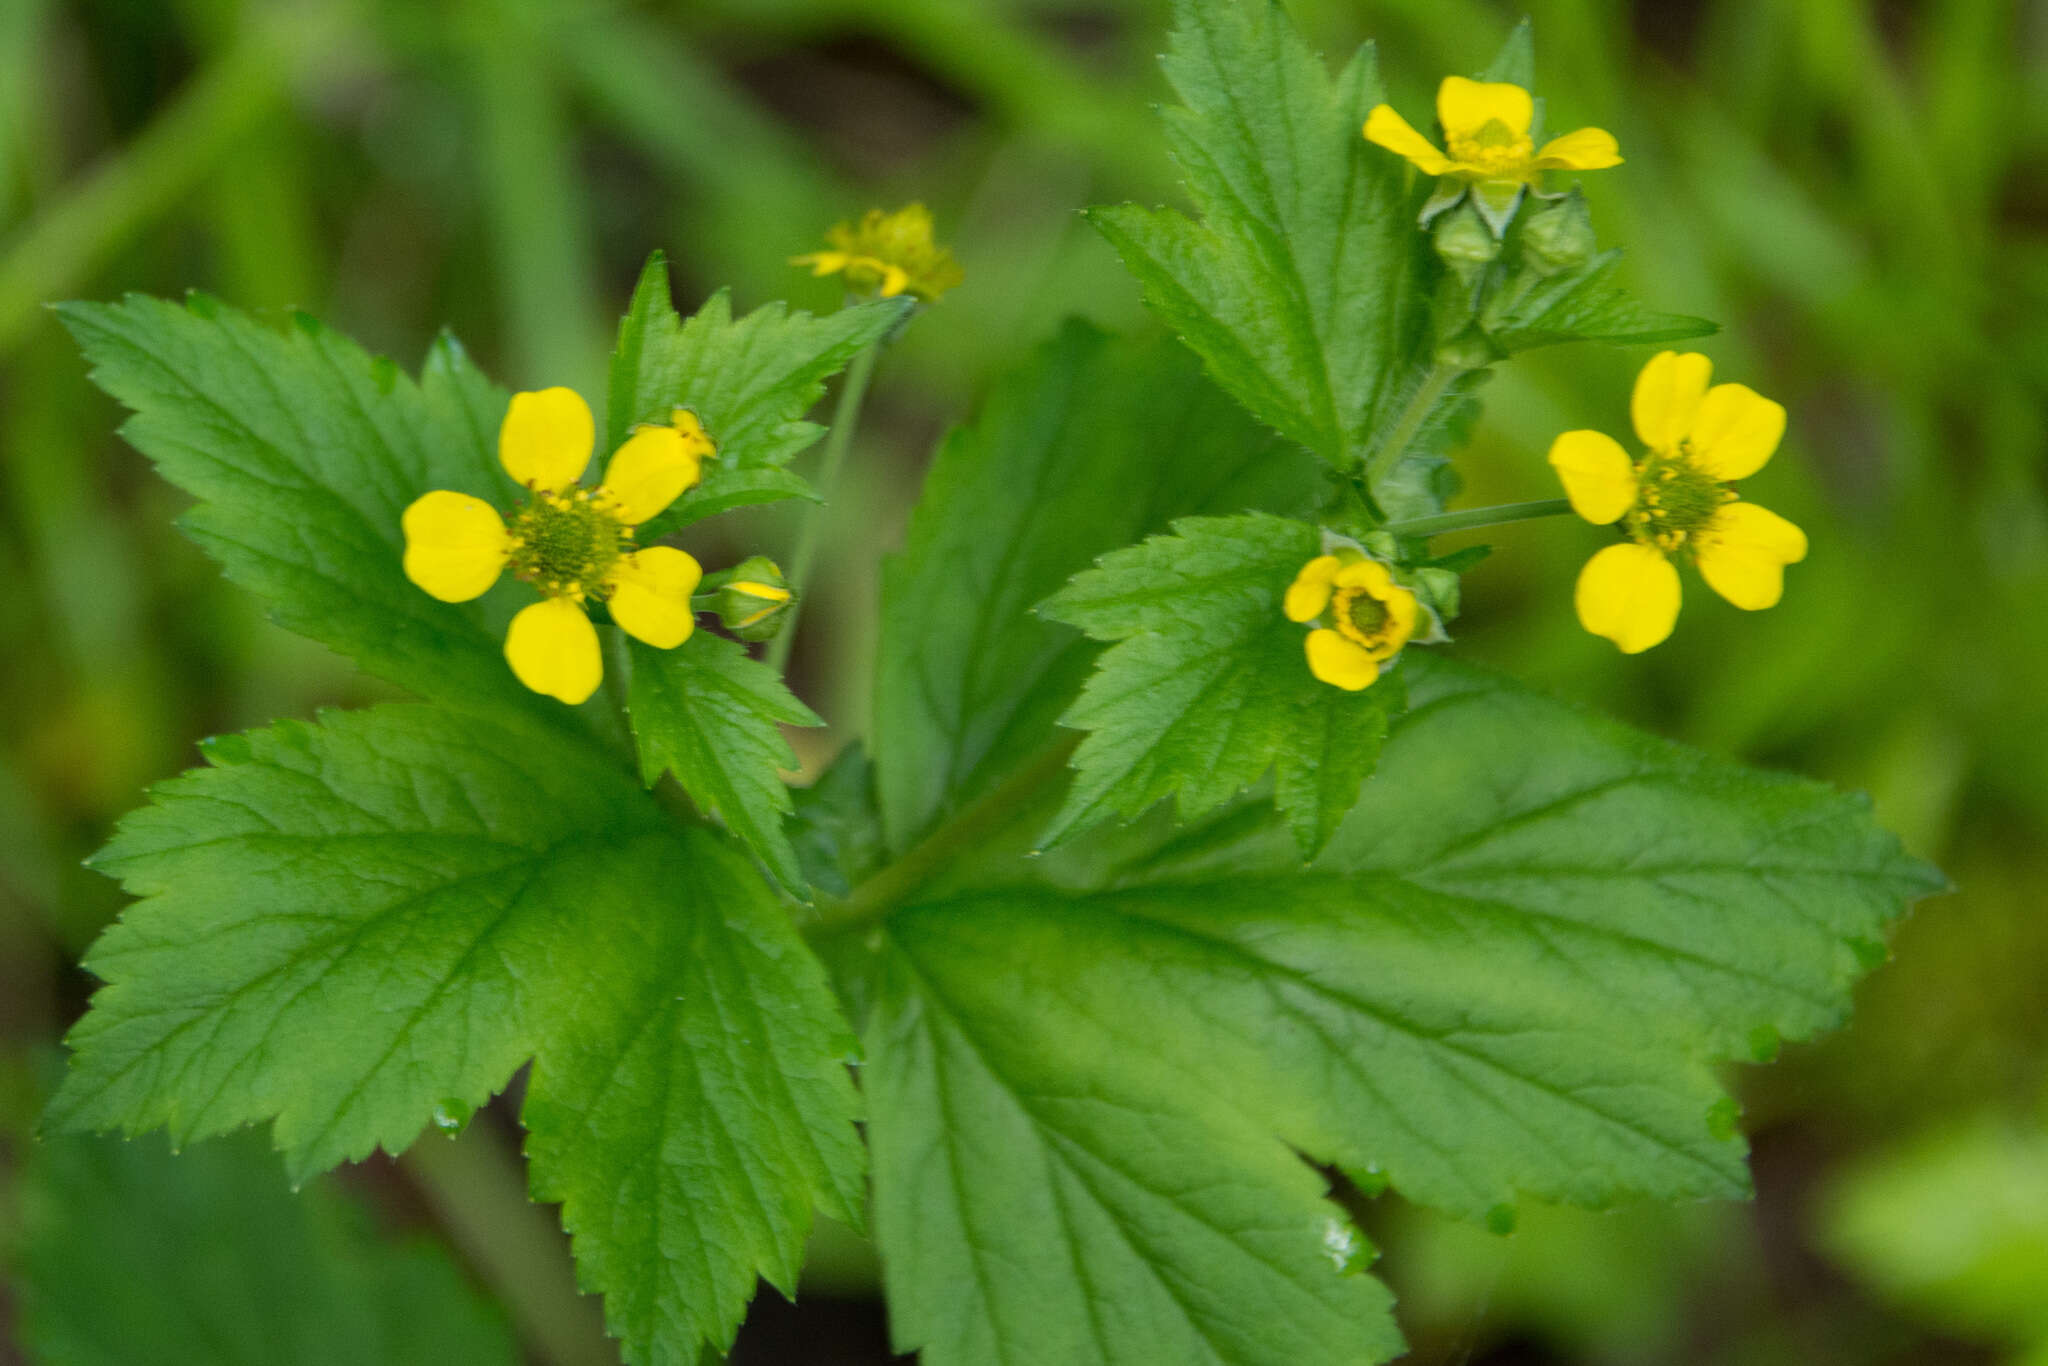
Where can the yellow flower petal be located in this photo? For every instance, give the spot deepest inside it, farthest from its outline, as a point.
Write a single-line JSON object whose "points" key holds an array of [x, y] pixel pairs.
{"points": [[1596, 473], [1385, 128], [552, 647], [1310, 592], [1368, 574], [1735, 431], [649, 472], [1629, 594], [1589, 149], [651, 595], [546, 439], [895, 279], [1464, 106], [1403, 608], [1333, 659], [1667, 396], [821, 262], [455, 545], [1743, 552]]}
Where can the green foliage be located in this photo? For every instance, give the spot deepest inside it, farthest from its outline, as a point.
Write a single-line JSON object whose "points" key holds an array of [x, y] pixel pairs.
{"points": [[1953, 1225], [1507, 977], [1092, 445], [749, 381], [1209, 690], [132, 1257], [347, 924], [712, 716], [1584, 304], [303, 450], [1296, 286]]}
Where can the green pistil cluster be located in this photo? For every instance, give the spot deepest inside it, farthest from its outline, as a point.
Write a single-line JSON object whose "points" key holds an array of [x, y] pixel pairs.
{"points": [[566, 544], [1676, 499], [1359, 615]]}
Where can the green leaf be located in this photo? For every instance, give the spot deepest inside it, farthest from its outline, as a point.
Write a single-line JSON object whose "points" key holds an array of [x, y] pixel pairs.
{"points": [[1509, 976], [303, 450], [712, 715], [1093, 444], [1515, 63], [837, 828], [1298, 285], [1209, 689], [1952, 1225], [1588, 304], [347, 924], [750, 381], [1051, 1186], [133, 1257]]}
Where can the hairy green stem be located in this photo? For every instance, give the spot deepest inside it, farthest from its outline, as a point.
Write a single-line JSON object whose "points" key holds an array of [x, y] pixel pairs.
{"points": [[1383, 460], [845, 417], [1470, 518], [980, 819]]}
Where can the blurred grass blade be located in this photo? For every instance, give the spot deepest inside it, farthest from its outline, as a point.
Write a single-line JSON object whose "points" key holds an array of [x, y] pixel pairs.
{"points": [[90, 220]]}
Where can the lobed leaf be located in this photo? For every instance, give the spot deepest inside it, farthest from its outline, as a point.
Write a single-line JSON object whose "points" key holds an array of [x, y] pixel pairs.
{"points": [[749, 380], [1298, 286], [713, 716], [1093, 444], [1209, 690], [344, 925], [303, 450], [1508, 976]]}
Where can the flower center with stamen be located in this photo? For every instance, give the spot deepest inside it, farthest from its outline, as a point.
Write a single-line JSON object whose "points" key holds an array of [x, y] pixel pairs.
{"points": [[1493, 148], [565, 544], [1359, 616], [1676, 499]]}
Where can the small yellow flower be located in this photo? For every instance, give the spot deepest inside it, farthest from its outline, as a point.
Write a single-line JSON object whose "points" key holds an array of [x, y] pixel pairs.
{"points": [[1363, 617], [1675, 501], [888, 254], [1486, 127], [570, 543]]}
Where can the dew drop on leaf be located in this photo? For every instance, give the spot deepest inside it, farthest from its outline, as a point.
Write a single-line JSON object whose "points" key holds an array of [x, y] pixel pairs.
{"points": [[1346, 1250], [452, 1116]]}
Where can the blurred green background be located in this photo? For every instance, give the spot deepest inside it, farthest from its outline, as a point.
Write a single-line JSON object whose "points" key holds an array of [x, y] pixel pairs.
{"points": [[1857, 189]]}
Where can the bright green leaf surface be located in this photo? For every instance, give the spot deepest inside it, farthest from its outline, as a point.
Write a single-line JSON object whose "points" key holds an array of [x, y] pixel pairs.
{"points": [[1587, 304], [1095, 443], [303, 451], [1508, 976], [749, 380], [133, 1257], [1053, 1185], [1296, 286], [1209, 690], [711, 715], [346, 924]]}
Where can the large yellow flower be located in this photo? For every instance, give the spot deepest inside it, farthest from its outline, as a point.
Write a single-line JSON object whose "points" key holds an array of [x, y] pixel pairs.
{"points": [[1674, 502], [1487, 131], [1363, 616], [570, 543], [889, 254]]}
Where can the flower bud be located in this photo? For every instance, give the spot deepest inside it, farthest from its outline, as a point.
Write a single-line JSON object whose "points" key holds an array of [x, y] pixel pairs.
{"points": [[752, 598], [1464, 242], [1558, 237]]}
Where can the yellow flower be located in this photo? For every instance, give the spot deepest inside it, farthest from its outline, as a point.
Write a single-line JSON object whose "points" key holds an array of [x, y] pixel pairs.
{"points": [[1363, 617], [1675, 501], [887, 253], [1486, 127], [570, 543]]}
